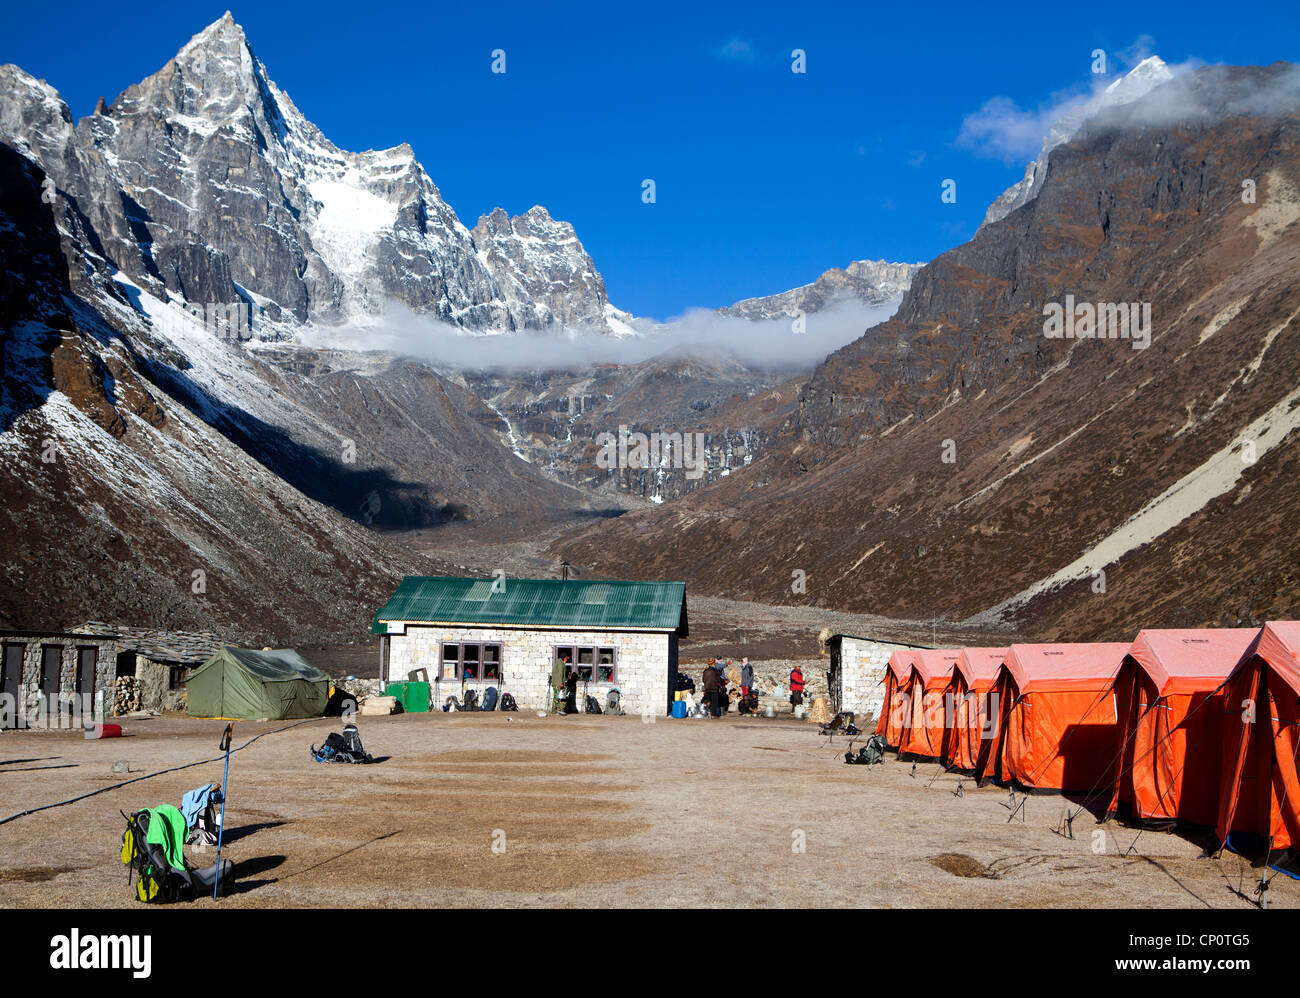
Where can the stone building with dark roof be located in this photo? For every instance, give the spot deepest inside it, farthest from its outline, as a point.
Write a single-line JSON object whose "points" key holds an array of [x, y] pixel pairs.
{"points": [[153, 665]]}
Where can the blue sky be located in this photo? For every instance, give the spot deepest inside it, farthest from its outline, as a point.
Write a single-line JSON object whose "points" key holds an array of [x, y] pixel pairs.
{"points": [[764, 178]]}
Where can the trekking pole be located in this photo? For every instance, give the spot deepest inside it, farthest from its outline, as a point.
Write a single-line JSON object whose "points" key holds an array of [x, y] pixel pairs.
{"points": [[225, 792]]}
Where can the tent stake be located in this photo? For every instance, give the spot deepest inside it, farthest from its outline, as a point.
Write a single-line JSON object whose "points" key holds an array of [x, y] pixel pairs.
{"points": [[1261, 891]]}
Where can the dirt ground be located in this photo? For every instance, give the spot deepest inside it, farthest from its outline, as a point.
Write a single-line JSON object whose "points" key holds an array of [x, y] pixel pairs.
{"points": [[582, 811]]}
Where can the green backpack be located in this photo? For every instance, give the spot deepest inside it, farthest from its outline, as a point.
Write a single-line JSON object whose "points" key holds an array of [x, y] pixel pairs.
{"points": [[872, 752]]}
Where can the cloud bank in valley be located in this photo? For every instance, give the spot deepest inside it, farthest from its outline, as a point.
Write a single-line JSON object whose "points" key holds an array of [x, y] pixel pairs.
{"points": [[771, 344]]}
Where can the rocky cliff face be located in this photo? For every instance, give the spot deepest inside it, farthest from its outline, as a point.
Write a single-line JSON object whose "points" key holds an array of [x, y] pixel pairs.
{"points": [[1137, 83], [956, 460], [872, 282], [555, 419], [545, 276], [207, 181], [155, 471]]}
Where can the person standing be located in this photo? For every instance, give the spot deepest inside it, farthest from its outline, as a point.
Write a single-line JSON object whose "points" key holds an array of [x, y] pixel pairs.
{"points": [[571, 693], [712, 682], [559, 680], [746, 677], [796, 686]]}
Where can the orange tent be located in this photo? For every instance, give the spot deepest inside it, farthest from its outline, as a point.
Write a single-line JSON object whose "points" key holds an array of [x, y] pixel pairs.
{"points": [[1259, 790], [1056, 717], [975, 674], [895, 712], [927, 734], [1169, 700]]}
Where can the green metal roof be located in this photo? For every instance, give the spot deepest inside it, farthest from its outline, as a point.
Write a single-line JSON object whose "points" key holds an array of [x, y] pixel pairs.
{"points": [[605, 605]]}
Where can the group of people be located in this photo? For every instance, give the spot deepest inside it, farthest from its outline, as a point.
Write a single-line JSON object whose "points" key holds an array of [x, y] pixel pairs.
{"points": [[716, 682]]}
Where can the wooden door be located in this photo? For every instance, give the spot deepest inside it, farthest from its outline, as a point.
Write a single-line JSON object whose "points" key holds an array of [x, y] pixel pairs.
{"points": [[87, 659], [51, 664], [11, 679]]}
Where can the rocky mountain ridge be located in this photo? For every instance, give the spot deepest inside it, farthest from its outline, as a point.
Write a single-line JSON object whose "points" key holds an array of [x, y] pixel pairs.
{"points": [[957, 461], [207, 181], [1133, 85], [872, 282]]}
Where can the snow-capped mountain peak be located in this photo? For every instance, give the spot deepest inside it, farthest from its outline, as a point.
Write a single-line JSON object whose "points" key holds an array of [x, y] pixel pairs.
{"points": [[232, 192], [1133, 85], [1149, 73], [542, 269]]}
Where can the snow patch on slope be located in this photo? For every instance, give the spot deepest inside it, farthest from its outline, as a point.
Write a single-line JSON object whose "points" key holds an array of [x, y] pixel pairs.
{"points": [[349, 223]]}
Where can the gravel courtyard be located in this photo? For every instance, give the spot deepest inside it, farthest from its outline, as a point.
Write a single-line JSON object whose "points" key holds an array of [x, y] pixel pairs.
{"points": [[516, 810]]}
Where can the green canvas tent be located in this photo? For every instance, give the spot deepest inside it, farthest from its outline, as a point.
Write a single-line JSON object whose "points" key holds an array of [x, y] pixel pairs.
{"points": [[252, 685]]}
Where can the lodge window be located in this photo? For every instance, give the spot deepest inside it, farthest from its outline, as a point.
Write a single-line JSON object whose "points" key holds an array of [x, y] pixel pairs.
{"points": [[177, 676], [471, 660], [594, 663]]}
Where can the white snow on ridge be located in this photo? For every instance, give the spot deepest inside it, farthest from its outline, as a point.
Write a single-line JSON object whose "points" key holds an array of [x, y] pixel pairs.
{"points": [[618, 322], [1132, 86], [350, 221]]}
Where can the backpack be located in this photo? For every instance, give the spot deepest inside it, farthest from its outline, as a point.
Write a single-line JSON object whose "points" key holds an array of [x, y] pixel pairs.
{"points": [[870, 753], [490, 698], [614, 703], [471, 700], [157, 879], [345, 747], [508, 702], [593, 705]]}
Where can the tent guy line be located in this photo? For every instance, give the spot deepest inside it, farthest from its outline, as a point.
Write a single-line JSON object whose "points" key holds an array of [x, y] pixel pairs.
{"points": [[149, 776]]}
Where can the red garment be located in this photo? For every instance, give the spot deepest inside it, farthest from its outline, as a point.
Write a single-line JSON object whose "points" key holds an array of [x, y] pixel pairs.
{"points": [[796, 681]]}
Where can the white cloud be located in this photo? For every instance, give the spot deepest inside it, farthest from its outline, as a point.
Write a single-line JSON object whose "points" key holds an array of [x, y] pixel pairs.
{"points": [[1002, 130], [737, 50], [1142, 47], [768, 344]]}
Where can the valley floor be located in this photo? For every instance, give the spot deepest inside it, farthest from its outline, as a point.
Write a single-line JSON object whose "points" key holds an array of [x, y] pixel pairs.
{"points": [[585, 811]]}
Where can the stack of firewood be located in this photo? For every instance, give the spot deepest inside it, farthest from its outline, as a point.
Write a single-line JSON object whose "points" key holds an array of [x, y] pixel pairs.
{"points": [[126, 695]]}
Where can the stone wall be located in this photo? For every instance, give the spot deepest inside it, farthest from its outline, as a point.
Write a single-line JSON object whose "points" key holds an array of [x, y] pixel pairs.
{"points": [[641, 663], [154, 680], [31, 705], [860, 684]]}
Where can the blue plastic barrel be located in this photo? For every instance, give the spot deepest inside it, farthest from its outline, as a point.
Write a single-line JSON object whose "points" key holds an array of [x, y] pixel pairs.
{"points": [[679, 708]]}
